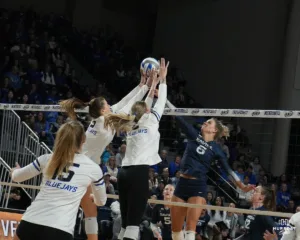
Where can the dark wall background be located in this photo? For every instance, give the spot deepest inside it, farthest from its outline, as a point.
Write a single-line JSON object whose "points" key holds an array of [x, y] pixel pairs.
{"points": [[230, 51]]}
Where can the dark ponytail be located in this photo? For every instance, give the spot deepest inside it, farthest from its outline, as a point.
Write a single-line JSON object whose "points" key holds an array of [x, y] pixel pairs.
{"points": [[270, 198]]}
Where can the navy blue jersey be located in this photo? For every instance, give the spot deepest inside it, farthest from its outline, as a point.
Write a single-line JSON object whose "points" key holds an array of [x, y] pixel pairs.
{"points": [[162, 214], [198, 154], [256, 225]]}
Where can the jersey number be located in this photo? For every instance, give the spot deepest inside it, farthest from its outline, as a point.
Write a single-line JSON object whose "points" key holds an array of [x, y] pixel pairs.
{"points": [[167, 220], [93, 123], [201, 149], [69, 174], [247, 224]]}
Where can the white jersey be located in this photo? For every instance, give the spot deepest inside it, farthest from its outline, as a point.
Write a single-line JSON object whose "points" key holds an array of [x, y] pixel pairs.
{"points": [[294, 232], [57, 203], [143, 142], [97, 137]]}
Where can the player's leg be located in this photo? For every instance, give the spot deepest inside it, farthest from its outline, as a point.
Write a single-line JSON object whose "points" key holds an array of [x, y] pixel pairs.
{"points": [[90, 213], [137, 200], [123, 194], [178, 215], [193, 215]]}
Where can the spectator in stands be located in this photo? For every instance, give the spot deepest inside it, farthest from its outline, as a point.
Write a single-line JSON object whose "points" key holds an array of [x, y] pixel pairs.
{"points": [[201, 227], [249, 173], [240, 172], [106, 154], [209, 198], [216, 216], [54, 126], [112, 169], [283, 179], [153, 181], [291, 207], [42, 127], [34, 96], [120, 155], [164, 162], [5, 87], [174, 166], [109, 187], [283, 197], [14, 201], [256, 167], [294, 189], [159, 190], [14, 78], [176, 178], [233, 222], [9, 98], [48, 77], [165, 177]]}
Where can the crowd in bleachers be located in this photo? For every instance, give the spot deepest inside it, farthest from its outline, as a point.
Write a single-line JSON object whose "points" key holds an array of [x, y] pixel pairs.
{"points": [[35, 69]]}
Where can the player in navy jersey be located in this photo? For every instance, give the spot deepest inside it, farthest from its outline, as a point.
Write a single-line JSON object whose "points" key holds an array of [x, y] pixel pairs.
{"points": [[161, 216], [263, 199], [201, 149]]}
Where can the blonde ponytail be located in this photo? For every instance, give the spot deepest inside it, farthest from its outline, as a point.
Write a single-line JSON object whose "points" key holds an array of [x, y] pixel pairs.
{"points": [[119, 122], [125, 123], [68, 140]]}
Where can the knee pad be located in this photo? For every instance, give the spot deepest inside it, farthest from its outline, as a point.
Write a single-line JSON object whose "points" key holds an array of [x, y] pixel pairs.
{"points": [[132, 232], [178, 236], [190, 235], [91, 225], [121, 234]]}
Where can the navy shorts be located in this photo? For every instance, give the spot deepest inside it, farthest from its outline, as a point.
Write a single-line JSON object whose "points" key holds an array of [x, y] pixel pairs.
{"points": [[187, 188]]}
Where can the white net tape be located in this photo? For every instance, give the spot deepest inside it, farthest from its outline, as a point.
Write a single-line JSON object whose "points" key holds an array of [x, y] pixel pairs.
{"points": [[179, 204], [247, 113]]}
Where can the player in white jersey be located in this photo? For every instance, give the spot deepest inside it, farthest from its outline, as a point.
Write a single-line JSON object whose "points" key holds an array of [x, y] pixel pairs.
{"points": [[143, 138], [66, 176], [97, 138]]}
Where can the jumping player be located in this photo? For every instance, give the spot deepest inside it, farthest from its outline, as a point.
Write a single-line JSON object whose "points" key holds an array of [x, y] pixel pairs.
{"points": [[161, 214], [192, 187], [143, 138], [66, 176], [98, 138]]}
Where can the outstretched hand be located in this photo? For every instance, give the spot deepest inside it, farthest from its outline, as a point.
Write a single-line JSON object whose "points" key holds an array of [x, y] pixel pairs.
{"points": [[13, 169], [163, 70], [143, 78]]}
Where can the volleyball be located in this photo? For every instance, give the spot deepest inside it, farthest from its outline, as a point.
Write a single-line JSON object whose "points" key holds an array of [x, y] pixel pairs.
{"points": [[148, 64]]}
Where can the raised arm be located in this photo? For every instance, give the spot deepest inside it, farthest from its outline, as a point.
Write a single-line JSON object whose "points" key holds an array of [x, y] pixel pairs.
{"points": [[33, 169], [187, 128], [159, 106], [150, 96], [143, 86]]}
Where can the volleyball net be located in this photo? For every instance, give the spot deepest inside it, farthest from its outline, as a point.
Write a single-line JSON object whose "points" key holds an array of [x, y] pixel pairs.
{"points": [[20, 143]]}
